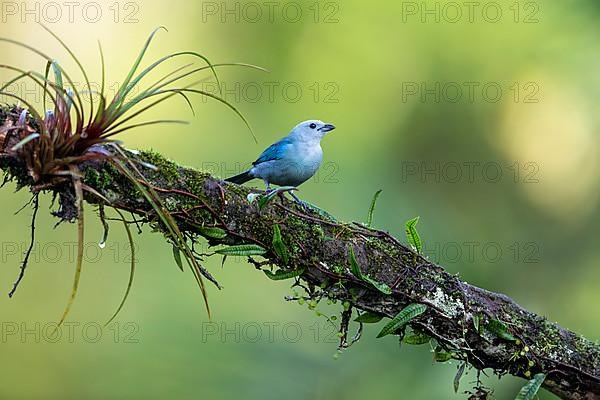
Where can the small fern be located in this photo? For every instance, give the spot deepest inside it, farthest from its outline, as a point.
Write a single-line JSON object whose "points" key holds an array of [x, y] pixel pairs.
{"points": [[278, 245], [499, 329], [211, 232], [356, 271], [282, 274], [372, 207], [407, 314], [413, 236], [242, 250]]}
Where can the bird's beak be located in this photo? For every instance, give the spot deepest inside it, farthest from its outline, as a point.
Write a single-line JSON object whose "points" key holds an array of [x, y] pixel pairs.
{"points": [[327, 128]]}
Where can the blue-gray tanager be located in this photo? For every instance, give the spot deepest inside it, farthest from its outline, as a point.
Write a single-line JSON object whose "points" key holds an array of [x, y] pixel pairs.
{"points": [[292, 160]]}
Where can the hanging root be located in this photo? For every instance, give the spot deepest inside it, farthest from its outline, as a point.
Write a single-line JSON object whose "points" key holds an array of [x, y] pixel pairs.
{"points": [[36, 206]]}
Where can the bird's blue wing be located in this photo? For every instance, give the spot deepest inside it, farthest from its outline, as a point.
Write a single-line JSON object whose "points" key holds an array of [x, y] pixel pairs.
{"points": [[275, 151]]}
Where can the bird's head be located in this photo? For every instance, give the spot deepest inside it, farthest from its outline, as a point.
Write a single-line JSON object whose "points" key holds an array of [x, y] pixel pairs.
{"points": [[312, 129]]}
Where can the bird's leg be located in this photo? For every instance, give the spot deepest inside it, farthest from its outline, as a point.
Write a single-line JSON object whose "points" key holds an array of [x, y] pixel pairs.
{"points": [[268, 186], [303, 204]]}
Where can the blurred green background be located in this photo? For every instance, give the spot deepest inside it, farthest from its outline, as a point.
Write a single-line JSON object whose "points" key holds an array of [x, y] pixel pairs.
{"points": [[484, 121]]}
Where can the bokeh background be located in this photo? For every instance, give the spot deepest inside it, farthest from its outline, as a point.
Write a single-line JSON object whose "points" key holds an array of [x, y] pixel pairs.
{"points": [[483, 121]]}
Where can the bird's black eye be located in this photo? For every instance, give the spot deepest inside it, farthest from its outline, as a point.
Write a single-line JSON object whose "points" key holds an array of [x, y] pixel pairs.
{"points": [[312, 126]]}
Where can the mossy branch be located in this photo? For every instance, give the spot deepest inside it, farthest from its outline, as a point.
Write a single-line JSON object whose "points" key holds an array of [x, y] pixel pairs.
{"points": [[488, 330]]}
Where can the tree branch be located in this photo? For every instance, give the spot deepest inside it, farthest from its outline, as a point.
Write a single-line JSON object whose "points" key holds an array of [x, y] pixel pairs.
{"points": [[486, 329]]}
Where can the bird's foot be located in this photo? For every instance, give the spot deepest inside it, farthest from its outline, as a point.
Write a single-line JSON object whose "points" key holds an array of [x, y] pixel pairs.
{"points": [[269, 191], [305, 206]]}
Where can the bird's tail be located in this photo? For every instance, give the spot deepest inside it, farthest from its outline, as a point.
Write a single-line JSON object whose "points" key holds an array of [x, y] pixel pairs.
{"points": [[240, 178]]}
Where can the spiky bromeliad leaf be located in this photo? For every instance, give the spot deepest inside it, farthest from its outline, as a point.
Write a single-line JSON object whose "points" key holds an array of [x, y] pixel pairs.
{"points": [[101, 125], [78, 107], [413, 236], [76, 179], [356, 271], [177, 257], [368, 318], [69, 143], [372, 207], [24, 141], [83, 72], [282, 274], [242, 250], [407, 314], [531, 388], [499, 329], [165, 217], [131, 269], [278, 245]]}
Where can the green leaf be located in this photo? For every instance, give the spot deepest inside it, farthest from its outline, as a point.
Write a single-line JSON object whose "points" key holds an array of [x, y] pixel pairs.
{"points": [[211, 232], [242, 250], [177, 257], [417, 339], [459, 374], [499, 329], [476, 321], [356, 271], [278, 244], [282, 274], [354, 267], [382, 287], [442, 356], [413, 236], [531, 388], [372, 207], [57, 75], [407, 314], [368, 318], [27, 139]]}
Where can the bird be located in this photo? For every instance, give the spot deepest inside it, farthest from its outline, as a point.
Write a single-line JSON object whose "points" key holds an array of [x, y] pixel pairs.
{"points": [[291, 160]]}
